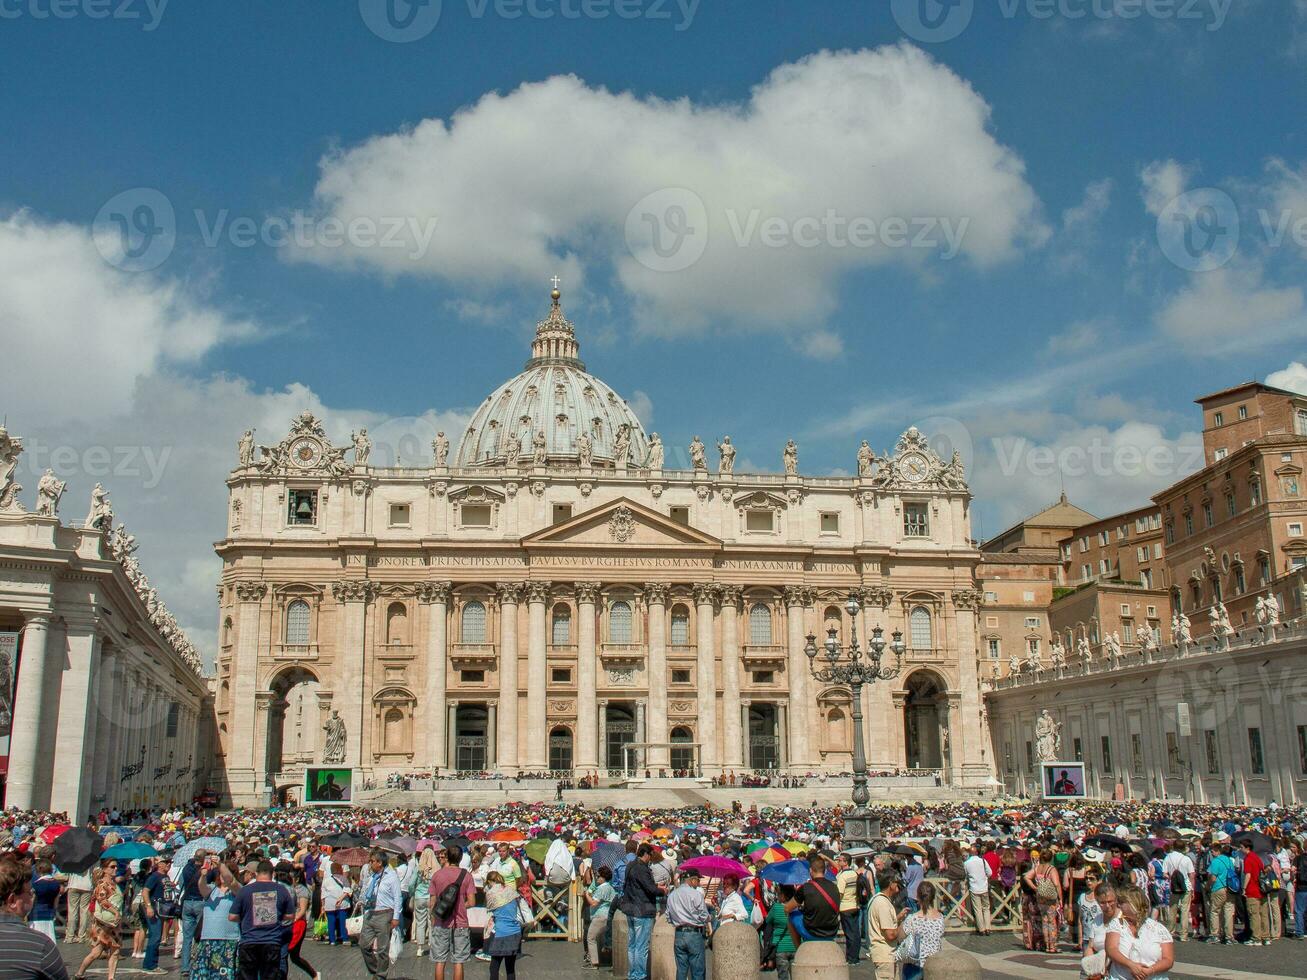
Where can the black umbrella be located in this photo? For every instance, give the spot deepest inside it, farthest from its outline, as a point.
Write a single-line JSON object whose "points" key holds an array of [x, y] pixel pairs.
{"points": [[459, 841], [1261, 843], [1107, 841], [343, 839], [77, 850]]}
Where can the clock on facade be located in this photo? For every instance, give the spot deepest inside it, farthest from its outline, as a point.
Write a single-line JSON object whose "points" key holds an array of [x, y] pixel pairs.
{"points": [[305, 453], [914, 467]]}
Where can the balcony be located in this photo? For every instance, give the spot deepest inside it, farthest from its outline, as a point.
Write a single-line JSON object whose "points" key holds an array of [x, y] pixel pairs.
{"points": [[770, 653], [474, 655], [918, 655], [295, 651], [622, 654]]}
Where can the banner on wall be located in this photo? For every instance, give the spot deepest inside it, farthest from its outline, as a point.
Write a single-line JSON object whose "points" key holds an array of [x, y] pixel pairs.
{"points": [[8, 663]]}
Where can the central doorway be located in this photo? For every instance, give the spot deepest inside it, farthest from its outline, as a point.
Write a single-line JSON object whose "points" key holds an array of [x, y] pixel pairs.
{"points": [[764, 747], [471, 737], [560, 750], [619, 722], [921, 721], [682, 749]]}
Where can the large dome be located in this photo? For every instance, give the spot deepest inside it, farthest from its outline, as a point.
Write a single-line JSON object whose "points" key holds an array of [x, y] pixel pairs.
{"points": [[554, 396]]}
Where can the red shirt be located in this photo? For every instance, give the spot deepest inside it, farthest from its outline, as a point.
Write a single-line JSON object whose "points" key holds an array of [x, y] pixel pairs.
{"points": [[992, 859], [1252, 867]]}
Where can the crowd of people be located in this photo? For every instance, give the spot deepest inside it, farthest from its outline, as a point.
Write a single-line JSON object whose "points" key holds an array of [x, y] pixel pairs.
{"points": [[243, 892]]}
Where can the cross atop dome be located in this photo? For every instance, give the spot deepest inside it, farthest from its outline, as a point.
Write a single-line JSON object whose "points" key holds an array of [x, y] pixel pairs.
{"points": [[555, 339]]}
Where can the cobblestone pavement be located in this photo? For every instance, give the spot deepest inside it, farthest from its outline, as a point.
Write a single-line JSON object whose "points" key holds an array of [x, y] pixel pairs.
{"points": [[1001, 956]]}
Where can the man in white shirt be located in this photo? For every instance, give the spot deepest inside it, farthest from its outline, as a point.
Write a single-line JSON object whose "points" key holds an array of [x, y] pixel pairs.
{"points": [[1177, 912], [978, 888]]}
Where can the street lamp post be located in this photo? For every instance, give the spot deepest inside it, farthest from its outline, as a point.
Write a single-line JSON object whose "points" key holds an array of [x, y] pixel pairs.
{"points": [[850, 668]]}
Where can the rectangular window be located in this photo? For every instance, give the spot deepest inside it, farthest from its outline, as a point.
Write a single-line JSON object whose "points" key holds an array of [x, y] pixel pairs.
{"points": [[1032, 622], [475, 515], [562, 512], [1146, 577], [472, 676], [1103, 566], [991, 621], [1125, 609], [1084, 545], [1212, 753], [830, 523], [1105, 746], [561, 675], [1239, 585], [1030, 757], [174, 710], [991, 597], [1172, 754], [1264, 569], [1218, 455], [681, 515], [764, 676], [759, 520], [1152, 612], [1231, 508], [1102, 537], [680, 677], [1078, 749], [1137, 753], [399, 515], [1086, 572], [1256, 762], [1295, 529], [916, 524], [1255, 492], [1189, 524], [1032, 646], [1157, 549], [1141, 555], [1207, 515], [1302, 749], [1170, 533], [302, 508], [1027, 597], [995, 650], [1218, 419], [1243, 411]]}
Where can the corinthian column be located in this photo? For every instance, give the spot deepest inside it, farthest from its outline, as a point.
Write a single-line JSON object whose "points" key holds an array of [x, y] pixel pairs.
{"points": [[351, 656], [537, 677], [436, 596], [509, 594], [731, 738], [706, 680], [795, 600], [878, 704], [27, 744], [966, 730], [659, 756], [587, 740]]}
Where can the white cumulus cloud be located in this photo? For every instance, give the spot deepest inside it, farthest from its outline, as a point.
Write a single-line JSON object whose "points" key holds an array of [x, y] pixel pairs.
{"points": [[543, 179], [1292, 378]]}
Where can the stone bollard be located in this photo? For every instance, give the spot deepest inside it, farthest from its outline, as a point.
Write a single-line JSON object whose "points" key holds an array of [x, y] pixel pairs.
{"points": [[951, 963], [735, 952], [662, 950], [820, 960], [621, 932]]}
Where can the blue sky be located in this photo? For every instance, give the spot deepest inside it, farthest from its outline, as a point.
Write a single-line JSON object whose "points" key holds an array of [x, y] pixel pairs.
{"points": [[1057, 144]]}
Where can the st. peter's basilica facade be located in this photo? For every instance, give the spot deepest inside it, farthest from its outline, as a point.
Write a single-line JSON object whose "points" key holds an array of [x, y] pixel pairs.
{"points": [[547, 596]]}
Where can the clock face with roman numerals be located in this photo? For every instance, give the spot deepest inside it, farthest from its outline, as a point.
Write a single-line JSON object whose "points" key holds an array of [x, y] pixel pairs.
{"points": [[305, 453], [914, 467]]}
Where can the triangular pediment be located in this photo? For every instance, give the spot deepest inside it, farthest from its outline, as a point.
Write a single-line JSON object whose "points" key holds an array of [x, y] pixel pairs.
{"points": [[622, 523]]}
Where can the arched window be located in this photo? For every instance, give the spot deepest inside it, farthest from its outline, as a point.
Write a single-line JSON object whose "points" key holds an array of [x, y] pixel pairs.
{"points": [[831, 618], [836, 730], [397, 623], [919, 624], [297, 623], [226, 632], [562, 625], [619, 622], [680, 626], [759, 625], [474, 622]]}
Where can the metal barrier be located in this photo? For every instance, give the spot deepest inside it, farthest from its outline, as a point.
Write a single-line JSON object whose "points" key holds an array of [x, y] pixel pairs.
{"points": [[952, 901]]}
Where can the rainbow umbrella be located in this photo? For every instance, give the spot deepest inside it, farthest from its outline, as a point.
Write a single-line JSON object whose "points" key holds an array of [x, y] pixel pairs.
{"points": [[770, 854], [795, 847]]}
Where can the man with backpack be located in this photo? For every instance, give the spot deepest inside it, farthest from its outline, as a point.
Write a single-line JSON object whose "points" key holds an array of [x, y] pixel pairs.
{"points": [[452, 893], [977, 870], [1179, 869]]}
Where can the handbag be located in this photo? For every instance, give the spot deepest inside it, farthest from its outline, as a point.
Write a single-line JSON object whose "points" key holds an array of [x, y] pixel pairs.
{"points": [[525, 916], [354, 926], [320, 927], [1045, 890], [909, 951], [1094, 965]]}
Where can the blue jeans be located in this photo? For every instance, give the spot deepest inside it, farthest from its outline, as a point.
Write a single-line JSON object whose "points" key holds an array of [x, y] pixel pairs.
{"points": [[1300, 910], [336, 926], [192, 910], [637, 947], [153, 934], [689, 955], [863, 930]]}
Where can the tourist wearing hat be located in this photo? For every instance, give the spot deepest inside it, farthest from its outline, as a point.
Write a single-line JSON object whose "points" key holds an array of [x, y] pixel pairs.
{"points": [[688, 914]]}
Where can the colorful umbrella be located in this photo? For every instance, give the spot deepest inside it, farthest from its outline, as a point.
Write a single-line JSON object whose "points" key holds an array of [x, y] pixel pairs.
{"points": [[714, 866], [663, 833], [398, 844], [607, 853], [435, 845], [795, 847], [130, 851], [786, 872], [54, 832], [538, 848], [507, 836], [353, 857], [770, 854]]}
